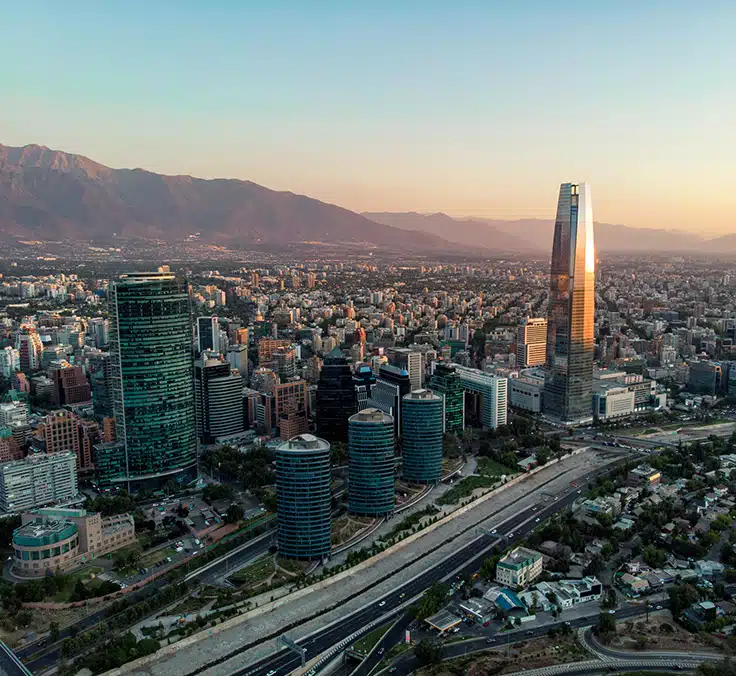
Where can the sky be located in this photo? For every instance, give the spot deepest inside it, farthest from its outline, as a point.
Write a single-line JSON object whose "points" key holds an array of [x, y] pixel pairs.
{"points": [[474, 108]]}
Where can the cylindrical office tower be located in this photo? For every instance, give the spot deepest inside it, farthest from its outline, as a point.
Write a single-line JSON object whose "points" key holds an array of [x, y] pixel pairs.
{"points": [[303, 497], [421, 433], [371, 480]]}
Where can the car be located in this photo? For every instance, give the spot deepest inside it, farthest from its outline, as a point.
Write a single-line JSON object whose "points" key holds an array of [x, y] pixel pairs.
{"points": [[490, 640], [381, 604], [402, 595], [529, 633], [510, 535], [493, 532], [611, 612], [660, 607], [579, 492], [537, 520], [381, 651], [271, 673]]}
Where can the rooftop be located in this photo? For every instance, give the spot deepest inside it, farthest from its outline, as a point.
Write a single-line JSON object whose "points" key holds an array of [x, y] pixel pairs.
{"points": [[520, 555], [372, 415], [422, 395], [304, 442]]}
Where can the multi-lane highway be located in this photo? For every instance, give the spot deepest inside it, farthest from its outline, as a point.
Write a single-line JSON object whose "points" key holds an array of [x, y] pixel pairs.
{"points": [[465, 560]]}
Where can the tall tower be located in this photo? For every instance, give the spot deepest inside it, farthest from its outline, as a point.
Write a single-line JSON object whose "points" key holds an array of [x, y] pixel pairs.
{"points": [[446, 382], [152, 378], [303, 497], [371, 488], [571, 311], [208, 334], [422, 423], [335, 397], [218, 399]]}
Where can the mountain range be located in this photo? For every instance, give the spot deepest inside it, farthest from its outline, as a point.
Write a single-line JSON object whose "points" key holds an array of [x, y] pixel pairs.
{"points": [[532, 236], [52, 195]]}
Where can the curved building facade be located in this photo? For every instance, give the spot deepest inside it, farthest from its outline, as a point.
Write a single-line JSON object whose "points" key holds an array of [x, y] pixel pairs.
{"points": [[568, 390], [303, 497], [42, 546], [371, 452], [152, 379], [422, 422]]}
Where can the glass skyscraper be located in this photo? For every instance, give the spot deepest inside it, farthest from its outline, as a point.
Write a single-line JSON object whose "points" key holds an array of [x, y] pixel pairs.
{"points": [[422, 422], [568, 388], [446, 382], [371, 476], [335, 397], [152, 380], [303, 497]]}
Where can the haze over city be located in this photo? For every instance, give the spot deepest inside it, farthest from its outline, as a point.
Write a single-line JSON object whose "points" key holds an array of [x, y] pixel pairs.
{"points": [[474, 109]]}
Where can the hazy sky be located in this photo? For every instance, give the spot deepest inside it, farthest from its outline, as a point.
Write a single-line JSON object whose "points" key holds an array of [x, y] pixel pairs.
{"points": [[472, 108]]}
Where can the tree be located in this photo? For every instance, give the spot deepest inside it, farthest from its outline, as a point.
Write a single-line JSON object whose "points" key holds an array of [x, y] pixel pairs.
{"points": [[54, 632], [433, 599], [655, 557], [234, 514], [681, 598], [428, 652], [542, 455], [606, 624]]}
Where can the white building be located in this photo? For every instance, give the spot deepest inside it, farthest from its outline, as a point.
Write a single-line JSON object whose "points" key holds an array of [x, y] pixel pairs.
{"points": [[9, 362], [531, 342], [526, 391], [567, 593], [38, 480], [611, 400], [13, 413], [491, 395]]}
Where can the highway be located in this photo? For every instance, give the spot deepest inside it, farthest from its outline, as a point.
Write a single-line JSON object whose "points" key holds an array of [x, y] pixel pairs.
{"points": [[41, 655], [466, 560]]}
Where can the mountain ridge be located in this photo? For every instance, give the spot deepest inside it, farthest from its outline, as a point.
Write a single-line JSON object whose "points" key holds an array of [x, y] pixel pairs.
{"points": [[49, 194]]}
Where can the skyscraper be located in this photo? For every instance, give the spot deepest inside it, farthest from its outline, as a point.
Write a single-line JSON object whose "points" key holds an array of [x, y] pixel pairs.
{"points": [[152, 377], [303, 497], [570, 343], [335, 397], [208, 334], [422, 422], [411, 361], [531, 343], [446, 382], [371, 488], [218, 398]]}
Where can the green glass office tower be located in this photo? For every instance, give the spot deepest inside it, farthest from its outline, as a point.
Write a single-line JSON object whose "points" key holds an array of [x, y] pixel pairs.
{"points": [[371, 476], [445, 381], [303, 497], [422, 421], [568, 393], [152, 380]]}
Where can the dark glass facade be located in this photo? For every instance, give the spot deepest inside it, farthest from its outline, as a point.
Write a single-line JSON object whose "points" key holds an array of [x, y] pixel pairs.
{"points": [[303, 497], [152, 378], [335, 397], [421, 439], [446, 382], [371, 453], [571, 310]]}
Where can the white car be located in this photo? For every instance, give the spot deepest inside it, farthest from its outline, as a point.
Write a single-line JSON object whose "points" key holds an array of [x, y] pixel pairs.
{"points": [[493, 532], [537, 520], [381, 604], [271, 673], [510, 535]]}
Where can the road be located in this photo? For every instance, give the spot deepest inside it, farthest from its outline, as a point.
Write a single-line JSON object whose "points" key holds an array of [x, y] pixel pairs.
{"points": [[466, 560], [41, 654]]}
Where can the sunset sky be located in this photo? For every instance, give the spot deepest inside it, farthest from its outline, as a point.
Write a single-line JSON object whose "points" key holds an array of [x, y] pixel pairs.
{"points": [[468, 107]]}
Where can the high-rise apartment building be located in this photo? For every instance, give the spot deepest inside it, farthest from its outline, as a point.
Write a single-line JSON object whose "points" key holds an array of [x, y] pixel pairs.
{"points": [[371, 489], [152, 380], [531, 343], [208, 334], [392, 385], [59, 432], [290, 408], [70, 384], [303, 497], [283, 360], [218, 399], [446, 382], [9, 362], [411, 361], [422, 424], [40, 479], [29, 346], [571, 309], [335, 397]]}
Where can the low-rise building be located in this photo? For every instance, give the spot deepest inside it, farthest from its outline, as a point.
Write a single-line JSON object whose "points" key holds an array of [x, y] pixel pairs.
{"points": [[644, 475], [479, 610], [518, 568], [57, 540]]}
